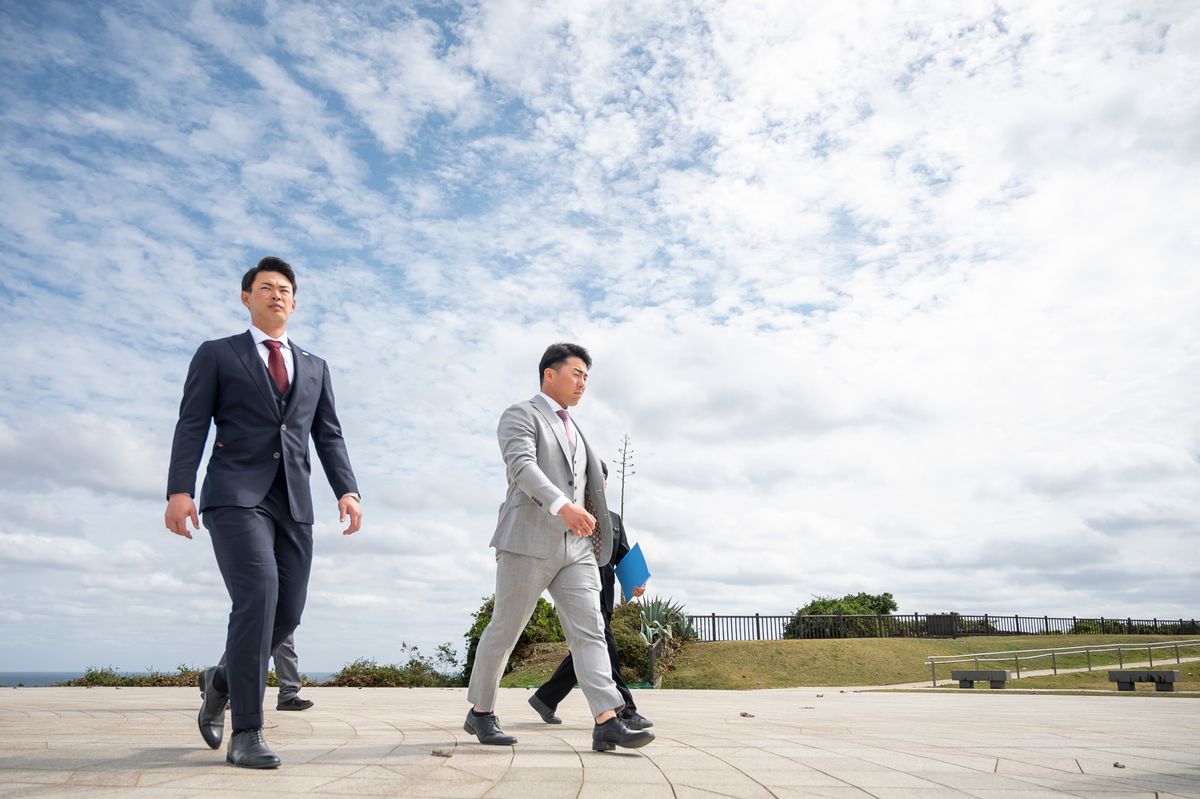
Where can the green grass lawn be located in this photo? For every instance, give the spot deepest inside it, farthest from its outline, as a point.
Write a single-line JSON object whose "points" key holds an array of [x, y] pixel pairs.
{"points": [[866, 661], [537, 668]]}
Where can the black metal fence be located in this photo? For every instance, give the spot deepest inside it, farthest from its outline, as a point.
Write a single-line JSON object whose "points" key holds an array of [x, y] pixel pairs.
{"points": [[714, 627]]}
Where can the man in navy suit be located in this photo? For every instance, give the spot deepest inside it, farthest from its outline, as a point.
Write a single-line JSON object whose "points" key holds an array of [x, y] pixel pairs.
{"points": [[268, 397]]}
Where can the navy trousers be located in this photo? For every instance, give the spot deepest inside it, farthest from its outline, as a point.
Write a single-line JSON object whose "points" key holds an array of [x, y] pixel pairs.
{"points": [[265, 557]]}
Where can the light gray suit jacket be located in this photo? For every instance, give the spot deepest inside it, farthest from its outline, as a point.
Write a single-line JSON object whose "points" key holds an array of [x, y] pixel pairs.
{"points": [[538, 460]]}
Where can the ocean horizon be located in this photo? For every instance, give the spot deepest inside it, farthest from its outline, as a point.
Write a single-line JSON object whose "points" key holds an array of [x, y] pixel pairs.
{"points": [[42, 679]]}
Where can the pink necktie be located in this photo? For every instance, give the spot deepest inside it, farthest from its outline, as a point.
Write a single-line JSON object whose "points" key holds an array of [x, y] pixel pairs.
{"points": [[275, 365], [567, 426]]}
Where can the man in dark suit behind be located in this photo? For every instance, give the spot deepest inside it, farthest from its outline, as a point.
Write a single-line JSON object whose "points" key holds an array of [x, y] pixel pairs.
{"points": [[546, 699], [267, 396]]}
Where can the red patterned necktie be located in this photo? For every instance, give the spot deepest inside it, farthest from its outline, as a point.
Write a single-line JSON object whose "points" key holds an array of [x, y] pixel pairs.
{"points": [[275, 365]]}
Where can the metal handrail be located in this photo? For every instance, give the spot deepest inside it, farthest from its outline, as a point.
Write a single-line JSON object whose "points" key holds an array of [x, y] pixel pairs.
{"points": [[1017, 655]]}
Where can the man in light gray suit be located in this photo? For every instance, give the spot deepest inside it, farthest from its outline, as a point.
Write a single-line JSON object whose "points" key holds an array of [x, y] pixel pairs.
{"points": [[548, 539], [287, 674]]}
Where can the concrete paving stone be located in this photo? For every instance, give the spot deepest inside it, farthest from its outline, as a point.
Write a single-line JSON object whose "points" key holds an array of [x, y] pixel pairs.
{"points": [[250, 779], [604, 790], [446, 775], [329, 770], [794, 777], [469, 772], [1089, 784], [33, 775], [353, 786], [1045, 768], [880, 779], [624, 776], [970, 781], [481, 769], [686, 790], [17, 788], [104, 777], [681, 759], [920, 793], [945, 744], [544, 774], [150, 778], [1019, 793], [819, 760], [821, 792], [967, 762], [508, 789], [364, 753], [1093, 794], [448, 791]]}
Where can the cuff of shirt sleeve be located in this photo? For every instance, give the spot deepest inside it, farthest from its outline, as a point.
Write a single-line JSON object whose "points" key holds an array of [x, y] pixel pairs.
{"points": [[557, 504]]}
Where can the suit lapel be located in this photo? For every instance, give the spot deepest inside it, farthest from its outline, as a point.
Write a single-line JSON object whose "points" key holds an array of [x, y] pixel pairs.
{"points": [[247, 352], [556, 424], [300, 364]]}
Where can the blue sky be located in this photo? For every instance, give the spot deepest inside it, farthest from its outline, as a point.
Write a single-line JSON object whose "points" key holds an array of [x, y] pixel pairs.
{"points": [[888, 300]]}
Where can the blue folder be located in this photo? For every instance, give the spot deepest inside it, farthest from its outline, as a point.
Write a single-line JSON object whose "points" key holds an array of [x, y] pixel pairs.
{"points": [[632, 571]]}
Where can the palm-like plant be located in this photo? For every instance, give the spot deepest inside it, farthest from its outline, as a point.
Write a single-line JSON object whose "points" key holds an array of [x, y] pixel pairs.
{"points": [[664, 618]]}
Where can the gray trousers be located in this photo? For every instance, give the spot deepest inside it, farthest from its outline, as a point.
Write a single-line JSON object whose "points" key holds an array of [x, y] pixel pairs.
{"points": [[573, 581], [287, 667]]}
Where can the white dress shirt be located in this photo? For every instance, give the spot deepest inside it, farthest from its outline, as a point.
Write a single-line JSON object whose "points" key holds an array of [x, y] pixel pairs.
{"points": [[265, 353], [557, 504]]}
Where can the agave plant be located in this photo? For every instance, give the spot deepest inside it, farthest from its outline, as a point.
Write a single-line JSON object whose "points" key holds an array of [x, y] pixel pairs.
{"points": [[664, 618]]}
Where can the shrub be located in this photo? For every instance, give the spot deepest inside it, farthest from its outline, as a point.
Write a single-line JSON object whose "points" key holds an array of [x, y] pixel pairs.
{"points": [[633, 650], [419, 671], [543, 627], [860, 604], [109, 676]]}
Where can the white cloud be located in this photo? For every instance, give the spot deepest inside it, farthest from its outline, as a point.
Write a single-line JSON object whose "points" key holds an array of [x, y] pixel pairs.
{"points": [[888, 301]]}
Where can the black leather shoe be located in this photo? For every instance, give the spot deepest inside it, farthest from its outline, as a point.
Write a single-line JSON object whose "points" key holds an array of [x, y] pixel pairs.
{"points": [[294, 702], [544, 710], [635, 721], [211, 717], [248, 749], [487, 729], [614, 733]]}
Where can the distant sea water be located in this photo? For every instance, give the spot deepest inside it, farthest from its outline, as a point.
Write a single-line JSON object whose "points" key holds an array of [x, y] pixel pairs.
{"points": [[34, 679]]}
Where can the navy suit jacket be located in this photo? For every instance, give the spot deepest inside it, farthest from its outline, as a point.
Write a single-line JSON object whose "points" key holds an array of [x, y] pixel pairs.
{"points": [[228, 383]]}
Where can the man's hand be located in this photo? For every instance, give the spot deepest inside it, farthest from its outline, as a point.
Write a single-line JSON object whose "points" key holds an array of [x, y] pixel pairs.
{"points": [[578, 520], [641, 589], [348, 506], [180, 508]]}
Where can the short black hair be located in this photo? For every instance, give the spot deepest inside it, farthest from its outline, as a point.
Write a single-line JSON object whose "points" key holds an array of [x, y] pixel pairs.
{"points": [[269, 264], [556, 354], [604, 468]]}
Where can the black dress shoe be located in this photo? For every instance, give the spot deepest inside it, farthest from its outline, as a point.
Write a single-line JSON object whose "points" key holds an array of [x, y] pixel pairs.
{"points": [[486, 728], [635, 721], [614, 733], [211, 717], [544, 710], [248, 749], [294, 702]]}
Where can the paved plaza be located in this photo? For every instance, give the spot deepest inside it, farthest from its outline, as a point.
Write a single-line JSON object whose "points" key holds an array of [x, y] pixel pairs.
{"points": [[143, 742]]}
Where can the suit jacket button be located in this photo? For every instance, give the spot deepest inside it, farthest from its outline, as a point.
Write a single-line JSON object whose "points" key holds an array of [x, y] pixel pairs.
{"points": [[275, 456], [283, 427]]}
